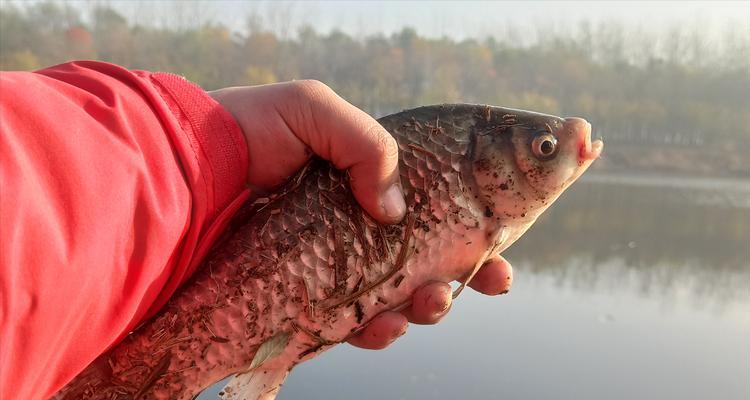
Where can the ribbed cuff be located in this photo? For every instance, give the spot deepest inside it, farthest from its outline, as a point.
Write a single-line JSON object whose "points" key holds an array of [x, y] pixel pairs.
{"points": [[213, 133]]}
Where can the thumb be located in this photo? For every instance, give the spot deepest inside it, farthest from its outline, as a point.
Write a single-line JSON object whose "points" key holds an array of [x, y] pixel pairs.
{"points": [[350, 139]]}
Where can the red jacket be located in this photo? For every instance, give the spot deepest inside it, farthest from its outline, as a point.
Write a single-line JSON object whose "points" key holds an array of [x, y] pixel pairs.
{"points": [[114, 185]]}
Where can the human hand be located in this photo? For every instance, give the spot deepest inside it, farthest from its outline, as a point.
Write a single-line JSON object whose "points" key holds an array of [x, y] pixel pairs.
{"points": [[286, 123]]}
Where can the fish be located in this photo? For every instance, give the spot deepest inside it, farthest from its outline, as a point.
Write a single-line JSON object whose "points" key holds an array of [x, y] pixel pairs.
{"points": [[305, 268]]}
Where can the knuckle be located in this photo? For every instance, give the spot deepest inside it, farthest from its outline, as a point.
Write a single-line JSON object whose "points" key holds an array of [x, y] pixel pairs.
{"points": [[385, 144], [311, 89]]}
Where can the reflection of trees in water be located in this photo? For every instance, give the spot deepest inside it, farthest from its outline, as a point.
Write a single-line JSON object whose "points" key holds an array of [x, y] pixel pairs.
{"points": [[610, 234]]}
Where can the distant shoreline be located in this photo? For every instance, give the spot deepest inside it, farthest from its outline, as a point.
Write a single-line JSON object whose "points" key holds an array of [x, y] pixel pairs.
{"points": [[715, 161], [671, 180]]}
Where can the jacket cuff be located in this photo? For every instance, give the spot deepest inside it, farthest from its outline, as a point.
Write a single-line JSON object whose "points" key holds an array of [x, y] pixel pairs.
{"points": [[214, 136]]}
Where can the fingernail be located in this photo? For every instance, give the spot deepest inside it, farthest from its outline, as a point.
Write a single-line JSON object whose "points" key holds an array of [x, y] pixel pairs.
{"points": [[444, 304], [401, 332], [393, 203], [444, 307]]}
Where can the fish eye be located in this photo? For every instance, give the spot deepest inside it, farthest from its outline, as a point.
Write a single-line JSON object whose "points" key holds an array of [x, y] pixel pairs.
{"points": [[544, 146]]}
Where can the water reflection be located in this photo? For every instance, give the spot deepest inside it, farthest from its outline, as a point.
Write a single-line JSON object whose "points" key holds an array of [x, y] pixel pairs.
{"points": [[627, 288], [663, 235]]}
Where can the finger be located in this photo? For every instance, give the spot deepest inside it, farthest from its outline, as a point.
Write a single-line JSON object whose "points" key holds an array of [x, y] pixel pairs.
{"points": [[350, 139], [430, 303], [494, 277], [381, 331]]}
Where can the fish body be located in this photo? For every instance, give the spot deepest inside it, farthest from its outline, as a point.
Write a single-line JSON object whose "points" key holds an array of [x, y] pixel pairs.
{"points": [[306, 268]]}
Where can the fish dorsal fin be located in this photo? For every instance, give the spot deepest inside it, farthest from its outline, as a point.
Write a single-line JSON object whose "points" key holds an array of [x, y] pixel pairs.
{"points": [[263, 380]]}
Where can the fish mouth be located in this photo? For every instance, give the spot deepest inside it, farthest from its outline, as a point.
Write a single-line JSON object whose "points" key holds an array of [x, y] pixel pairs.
{"points": [[589, 150]]}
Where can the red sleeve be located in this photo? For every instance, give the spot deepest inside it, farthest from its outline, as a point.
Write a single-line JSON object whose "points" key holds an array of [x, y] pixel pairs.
{"points": [[114, 185]]}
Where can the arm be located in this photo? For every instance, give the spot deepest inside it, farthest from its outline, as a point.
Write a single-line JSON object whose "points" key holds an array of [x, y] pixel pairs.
{"points": [[114, 185]]}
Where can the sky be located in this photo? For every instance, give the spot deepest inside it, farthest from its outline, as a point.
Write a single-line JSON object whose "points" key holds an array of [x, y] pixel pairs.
{"points": [[431, 18]]}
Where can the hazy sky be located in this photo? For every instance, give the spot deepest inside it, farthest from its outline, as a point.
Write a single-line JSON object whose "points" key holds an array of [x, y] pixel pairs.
{"points": [[433, 18]]}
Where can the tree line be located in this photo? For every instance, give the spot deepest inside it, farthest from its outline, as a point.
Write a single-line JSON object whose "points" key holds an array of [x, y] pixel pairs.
{"points": [[659, 89]]}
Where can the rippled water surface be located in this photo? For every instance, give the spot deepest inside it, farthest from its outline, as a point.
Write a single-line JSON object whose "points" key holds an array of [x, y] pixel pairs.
{"points": [[629, 287]]}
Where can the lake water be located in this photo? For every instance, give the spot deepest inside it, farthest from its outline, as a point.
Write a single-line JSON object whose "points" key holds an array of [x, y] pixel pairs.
{"points": [[629, 287]]}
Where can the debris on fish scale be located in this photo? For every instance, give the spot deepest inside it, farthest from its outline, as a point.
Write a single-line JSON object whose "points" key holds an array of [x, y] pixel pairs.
{"points": [[306, 268]]}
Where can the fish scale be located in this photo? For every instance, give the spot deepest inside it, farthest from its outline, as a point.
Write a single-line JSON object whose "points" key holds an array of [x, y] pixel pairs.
{"points": [[306, 268]]}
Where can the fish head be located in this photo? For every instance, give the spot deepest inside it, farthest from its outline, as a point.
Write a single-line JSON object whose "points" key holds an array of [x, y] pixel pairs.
{"points": [[522, 161]]}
